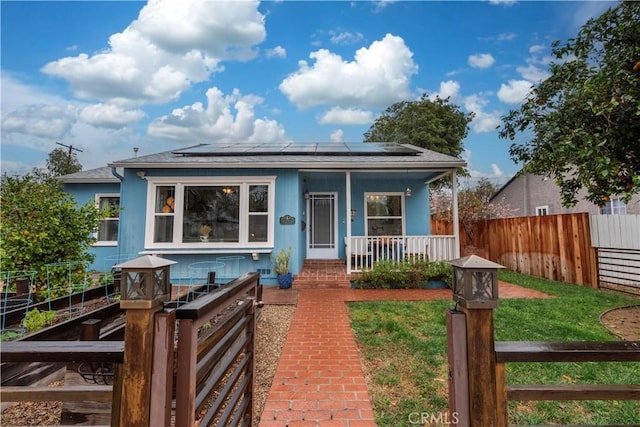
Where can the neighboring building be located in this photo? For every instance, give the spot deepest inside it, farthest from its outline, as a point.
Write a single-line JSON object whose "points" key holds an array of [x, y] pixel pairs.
{"points": [[244, 202], [531, 195]]}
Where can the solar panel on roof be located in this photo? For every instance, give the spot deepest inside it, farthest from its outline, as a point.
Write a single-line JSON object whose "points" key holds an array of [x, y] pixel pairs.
{"points": [[327, 149]]}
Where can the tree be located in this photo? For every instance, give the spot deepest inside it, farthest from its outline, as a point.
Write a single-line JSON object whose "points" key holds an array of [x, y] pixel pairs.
{"points": [[585, 118], [474, 204], [63, 163], [433, 124], [41, 224]]}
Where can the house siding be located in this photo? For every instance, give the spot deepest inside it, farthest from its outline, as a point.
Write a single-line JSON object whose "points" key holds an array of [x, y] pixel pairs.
{"points": [[526, 192], [83, 194]]}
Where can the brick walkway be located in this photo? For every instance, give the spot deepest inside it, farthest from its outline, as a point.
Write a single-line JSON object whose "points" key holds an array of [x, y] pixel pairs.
{"points": [[319, 380]]}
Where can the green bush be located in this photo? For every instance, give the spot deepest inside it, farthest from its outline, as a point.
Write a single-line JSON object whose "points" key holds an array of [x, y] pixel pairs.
{"points": [[42, 224], [36, 319], [406, 274]]}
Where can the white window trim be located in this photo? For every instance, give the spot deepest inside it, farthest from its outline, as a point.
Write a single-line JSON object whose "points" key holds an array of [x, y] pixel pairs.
{"points": [[544, 208], [180, 182], [383, 193], [615, 210], [99, 196]]}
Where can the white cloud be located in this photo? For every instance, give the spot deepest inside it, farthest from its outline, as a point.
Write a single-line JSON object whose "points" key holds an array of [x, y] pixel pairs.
{"points": [[448, 89], [536, 49], [483, 121], [377, 77], [496, 173], [503, 2], [505, 37], [337, 135], [109, 116], [537, 66], [346, 37], [381, 4], [34, 120], [40, 120], [481, 60], [170, 46], [276, 52], [533, 73], [224, 118], [515, 91], [218, 29], [346, 116]]}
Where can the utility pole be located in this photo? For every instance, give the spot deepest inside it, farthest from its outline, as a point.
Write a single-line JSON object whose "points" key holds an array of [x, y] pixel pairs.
{"points": [[71, 148]]}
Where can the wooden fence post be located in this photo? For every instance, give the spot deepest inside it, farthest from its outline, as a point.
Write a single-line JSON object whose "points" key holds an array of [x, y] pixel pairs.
{"points": [[138, 360], [481, 364]]}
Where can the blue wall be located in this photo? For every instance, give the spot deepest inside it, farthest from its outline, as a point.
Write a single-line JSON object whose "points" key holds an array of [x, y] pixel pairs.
{"points": [[86, 193], [290, 186], [416, 206]]}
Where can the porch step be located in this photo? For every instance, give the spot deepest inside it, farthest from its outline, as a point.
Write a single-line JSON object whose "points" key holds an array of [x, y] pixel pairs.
{"points": [[323, 274]]}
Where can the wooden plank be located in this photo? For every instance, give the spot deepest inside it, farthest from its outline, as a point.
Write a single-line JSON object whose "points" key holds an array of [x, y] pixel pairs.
{"points": [[501, 395], [458, 372], [587, 351], [162, 372], [481, 366], [574, 392], [62, 351], [207, 304], [93, 393], [186, 372]]}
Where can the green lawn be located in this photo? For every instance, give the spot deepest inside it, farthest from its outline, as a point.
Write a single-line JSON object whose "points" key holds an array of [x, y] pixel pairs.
{"points": [[404, 347]]}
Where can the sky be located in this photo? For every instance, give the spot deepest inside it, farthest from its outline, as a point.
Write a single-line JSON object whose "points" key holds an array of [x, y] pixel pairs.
{"points": [[105, 77]]}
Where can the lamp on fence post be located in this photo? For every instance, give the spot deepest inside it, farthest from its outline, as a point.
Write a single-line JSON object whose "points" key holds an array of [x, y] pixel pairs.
{"points": [[144, 282], [475, 291], [145, 285], [475, 282]]}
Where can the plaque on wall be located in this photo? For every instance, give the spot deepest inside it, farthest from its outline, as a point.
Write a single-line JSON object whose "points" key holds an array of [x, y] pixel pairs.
{"points": [[287, 220]]}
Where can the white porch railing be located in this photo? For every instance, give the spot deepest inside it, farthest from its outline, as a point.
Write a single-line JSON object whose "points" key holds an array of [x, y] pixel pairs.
{"points": [[364, 251]]}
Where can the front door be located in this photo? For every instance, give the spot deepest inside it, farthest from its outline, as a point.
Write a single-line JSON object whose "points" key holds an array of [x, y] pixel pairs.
{"points": [[322, 226]]}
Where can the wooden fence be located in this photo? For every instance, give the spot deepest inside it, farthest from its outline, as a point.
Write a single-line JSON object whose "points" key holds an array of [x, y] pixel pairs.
{"points": [[556, 247], [204, 378]]}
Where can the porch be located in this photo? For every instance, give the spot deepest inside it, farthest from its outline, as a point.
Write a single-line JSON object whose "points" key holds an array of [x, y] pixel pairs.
{"points": [[364, 251]]}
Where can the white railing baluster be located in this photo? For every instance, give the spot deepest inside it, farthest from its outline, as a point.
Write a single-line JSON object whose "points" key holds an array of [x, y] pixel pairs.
{"points": [[366, 250]]}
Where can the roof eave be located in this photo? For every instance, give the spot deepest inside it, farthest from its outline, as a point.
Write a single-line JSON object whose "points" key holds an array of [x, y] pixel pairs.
{"points": [[294, 165]]}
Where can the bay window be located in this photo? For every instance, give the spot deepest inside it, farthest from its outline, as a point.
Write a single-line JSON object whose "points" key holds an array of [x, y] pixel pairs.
{"points": [[213, 212]]}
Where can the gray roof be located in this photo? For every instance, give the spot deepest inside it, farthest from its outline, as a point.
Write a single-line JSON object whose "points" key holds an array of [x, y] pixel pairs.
{"points": [[294, 156], [99, 175], [146, 261]]}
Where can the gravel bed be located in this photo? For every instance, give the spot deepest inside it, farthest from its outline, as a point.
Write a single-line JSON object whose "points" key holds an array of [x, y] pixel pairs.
{"points": [[272, 327]]}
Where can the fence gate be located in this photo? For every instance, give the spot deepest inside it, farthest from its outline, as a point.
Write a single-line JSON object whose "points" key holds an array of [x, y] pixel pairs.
{"points": [[215, 356], [617, 242]]}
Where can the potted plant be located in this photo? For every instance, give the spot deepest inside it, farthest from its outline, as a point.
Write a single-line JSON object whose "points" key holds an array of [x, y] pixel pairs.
{"points": [[438, 274], [281, 266], [204, 232]]}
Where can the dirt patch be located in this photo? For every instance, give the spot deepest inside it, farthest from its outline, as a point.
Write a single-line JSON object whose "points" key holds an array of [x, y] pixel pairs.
{"points": [[624, 322]]}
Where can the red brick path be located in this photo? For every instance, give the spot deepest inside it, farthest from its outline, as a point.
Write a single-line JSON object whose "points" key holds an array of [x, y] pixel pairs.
{"points": [[319, 380]]}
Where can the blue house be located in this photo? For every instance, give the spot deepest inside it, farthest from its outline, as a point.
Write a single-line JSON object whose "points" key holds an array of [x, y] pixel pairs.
{"points": [[231, 207]]}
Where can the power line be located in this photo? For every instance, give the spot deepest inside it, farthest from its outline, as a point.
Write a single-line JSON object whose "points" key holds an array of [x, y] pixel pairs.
{"points": [[70, 147]]}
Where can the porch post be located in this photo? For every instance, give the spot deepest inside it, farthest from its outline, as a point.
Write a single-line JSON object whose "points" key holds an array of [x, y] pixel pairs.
{"points": [[347, 249], [456, 223]]}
